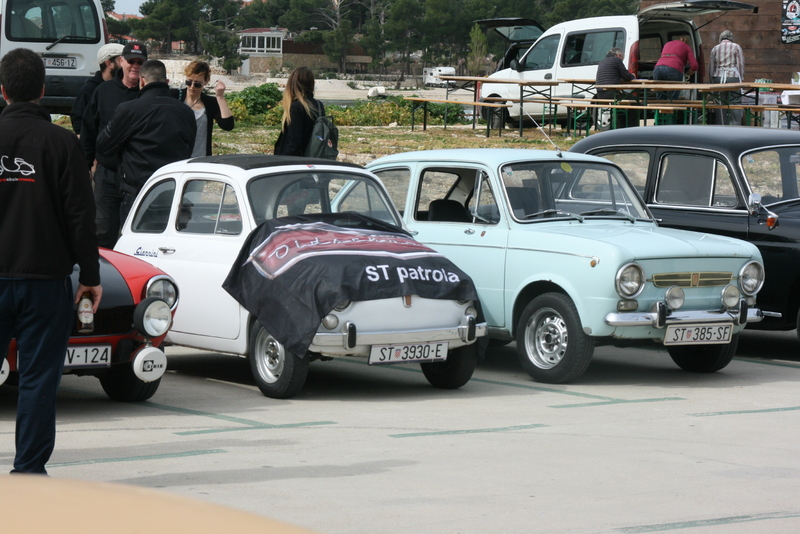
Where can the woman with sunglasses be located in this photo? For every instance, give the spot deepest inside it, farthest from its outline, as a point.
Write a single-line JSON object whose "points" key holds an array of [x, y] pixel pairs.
{"points": [[206, 108], [300, 110]]}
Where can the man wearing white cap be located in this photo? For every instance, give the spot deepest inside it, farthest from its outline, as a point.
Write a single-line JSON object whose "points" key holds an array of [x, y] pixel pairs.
{"points": [[108, 59], [727, 66]]}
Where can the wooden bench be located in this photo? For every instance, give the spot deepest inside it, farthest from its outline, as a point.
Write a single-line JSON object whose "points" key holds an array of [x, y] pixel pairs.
{"points": [[657, 109], [494, 107], [788, 110]]}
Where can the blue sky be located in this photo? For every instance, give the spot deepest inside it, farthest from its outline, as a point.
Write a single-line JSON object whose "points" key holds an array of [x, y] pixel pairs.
{"points": [[128, 7]]}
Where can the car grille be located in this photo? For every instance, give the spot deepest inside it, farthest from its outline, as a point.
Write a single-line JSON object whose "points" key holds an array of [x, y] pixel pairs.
{"points": [[708, 279], [109, 321]]}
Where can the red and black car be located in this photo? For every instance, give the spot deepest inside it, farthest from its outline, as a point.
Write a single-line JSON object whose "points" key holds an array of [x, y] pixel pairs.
{"points": [[125, 349]]}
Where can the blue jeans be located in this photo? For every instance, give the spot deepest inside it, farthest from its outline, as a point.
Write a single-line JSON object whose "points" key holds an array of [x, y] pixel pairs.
{"points": [[39, 314], [663, 72]]}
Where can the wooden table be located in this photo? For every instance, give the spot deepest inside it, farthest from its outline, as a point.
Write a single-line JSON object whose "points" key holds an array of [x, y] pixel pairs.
{"points": [[527, 88]]}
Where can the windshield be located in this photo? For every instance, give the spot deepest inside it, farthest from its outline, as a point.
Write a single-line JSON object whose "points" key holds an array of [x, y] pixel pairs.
{"points": [[578, 190], [48, 20], [306, 193], [773, 173]]}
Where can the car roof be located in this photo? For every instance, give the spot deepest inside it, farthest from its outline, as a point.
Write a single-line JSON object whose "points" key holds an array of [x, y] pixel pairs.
{"points": [[257, 161], [493, 157], [726, 139]]}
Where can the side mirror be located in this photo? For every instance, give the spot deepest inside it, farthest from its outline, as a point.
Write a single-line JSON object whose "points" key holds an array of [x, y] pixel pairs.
{"points": [[514, 65], [754, 203]]}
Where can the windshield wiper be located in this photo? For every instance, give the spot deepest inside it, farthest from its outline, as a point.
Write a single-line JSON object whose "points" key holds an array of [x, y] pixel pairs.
{"points": [[609, 211], [553, 212], [54, 43]]}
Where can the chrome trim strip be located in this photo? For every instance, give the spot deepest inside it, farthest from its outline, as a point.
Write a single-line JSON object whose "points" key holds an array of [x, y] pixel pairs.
{"points": [[754, 315], [457, 333], [595, 258]]}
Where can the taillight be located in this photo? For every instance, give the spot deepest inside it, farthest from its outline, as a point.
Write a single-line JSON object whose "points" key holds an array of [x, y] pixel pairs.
{"points": [[633, 59]]}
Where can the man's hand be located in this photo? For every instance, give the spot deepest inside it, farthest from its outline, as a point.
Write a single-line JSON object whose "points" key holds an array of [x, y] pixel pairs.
{"points": [[95, 291]]}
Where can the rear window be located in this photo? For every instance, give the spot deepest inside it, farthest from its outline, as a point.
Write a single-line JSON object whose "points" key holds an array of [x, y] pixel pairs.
{"points": [[48, 20]]}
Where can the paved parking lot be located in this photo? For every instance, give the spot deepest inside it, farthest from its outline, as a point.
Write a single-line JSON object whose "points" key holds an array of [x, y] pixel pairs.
{"points": [[637, 445]]}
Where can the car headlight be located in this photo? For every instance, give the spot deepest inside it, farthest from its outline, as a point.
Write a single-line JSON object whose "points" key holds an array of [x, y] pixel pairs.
{"points": [[630, 280], [751, 278], [730, 296], [164, 288], [152, 317]]}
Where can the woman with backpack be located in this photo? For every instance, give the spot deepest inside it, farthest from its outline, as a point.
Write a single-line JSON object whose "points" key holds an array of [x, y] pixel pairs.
{"points": [[300, 111]]}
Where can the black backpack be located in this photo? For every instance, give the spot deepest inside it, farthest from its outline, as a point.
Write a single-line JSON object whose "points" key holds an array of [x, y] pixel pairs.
{"points": [[324, 140]]}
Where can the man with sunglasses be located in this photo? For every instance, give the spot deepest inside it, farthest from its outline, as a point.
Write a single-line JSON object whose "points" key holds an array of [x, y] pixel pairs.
{"points": [[108, 95]]}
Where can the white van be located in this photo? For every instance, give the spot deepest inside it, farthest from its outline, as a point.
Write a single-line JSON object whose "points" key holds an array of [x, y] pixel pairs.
{"points": [[66, 33], [430, 76], [573, 49]]}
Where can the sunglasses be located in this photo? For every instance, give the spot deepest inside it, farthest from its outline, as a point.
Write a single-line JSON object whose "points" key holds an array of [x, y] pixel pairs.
{"points": [[195, 84], [135, 61]]}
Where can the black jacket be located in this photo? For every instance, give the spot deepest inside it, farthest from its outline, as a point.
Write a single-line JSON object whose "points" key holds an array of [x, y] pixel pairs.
{"points": [[213, 113], [293, 140], [101, 108], [46, 205], [146, 134], [82, 100]]}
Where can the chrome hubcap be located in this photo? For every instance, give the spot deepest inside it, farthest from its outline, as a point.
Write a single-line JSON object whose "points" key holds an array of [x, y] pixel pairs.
{"points": [[546, 338], [270, 357]]}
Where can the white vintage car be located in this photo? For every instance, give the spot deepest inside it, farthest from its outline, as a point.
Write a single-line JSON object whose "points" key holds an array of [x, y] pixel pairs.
{"points": [[340, 261]]}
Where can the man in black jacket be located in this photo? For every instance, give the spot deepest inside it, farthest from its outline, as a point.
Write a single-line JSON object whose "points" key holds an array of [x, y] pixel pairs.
{"points": [[108, 58], [147, 133], [46, 226], [122, 88]]}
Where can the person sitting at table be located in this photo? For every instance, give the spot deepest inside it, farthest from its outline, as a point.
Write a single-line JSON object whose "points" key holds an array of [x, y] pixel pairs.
{"points": [[675, 55], [611, 71], [727, 66]]}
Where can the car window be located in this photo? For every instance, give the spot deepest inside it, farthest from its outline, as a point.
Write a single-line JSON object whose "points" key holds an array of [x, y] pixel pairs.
{"points": [[360, 197], [650, 48], [589, 48], [48, 20], [635, 165], [482, 204], [542, 55], [152, 214], [774, 174], [695, 180], [540, 190], [435, 186], [209, 207], [396, 182]]}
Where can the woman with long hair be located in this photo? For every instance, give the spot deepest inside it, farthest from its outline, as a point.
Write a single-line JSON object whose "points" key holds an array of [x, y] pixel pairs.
{"points": [[206, 108], [300, 110]]}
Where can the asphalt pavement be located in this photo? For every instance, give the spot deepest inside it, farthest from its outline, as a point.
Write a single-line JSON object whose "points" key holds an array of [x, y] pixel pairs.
{"points": [[635, 445]]}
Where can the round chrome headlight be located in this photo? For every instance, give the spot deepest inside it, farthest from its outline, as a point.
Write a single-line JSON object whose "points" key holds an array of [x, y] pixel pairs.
{"points": [[152, 317], [164, 288], [341, 305], [730, 296], [675, 297], [630, 280], [751, 278]]}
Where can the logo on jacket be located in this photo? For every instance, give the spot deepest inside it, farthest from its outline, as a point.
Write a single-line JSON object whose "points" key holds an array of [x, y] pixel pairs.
{"points": [[19, 166]]}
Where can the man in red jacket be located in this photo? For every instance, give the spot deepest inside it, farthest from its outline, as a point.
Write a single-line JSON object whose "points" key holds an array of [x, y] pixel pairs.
{"points": [[46, 227]]}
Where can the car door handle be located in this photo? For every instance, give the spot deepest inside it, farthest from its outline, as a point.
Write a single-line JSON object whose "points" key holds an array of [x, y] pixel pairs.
{"points": [[548, 76], [166, 250], [469, 231]]}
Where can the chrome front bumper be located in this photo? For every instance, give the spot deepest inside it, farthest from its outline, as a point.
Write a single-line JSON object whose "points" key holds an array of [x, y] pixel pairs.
{"points": [[661, 316], [349, 337]]}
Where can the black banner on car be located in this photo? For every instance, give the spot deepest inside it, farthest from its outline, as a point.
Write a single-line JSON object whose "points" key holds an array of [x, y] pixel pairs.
{"points": [[292, 271]]}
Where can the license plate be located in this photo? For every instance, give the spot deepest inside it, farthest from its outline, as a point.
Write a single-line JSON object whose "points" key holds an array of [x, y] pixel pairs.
{"points": [[60, 62], [83, 355], [698, 334], [421, 352]]}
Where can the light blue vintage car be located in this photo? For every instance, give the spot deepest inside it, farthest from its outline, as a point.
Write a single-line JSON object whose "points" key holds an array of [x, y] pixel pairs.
{"points": [[565, 254]]}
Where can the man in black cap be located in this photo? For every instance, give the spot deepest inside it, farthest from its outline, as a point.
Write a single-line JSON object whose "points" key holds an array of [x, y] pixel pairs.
{"points": [[122, 88]]}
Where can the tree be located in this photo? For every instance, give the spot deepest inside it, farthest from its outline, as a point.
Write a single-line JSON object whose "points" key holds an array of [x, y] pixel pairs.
{"points": [[169, 20], [337, 42], [403, 25], [476, 61]]}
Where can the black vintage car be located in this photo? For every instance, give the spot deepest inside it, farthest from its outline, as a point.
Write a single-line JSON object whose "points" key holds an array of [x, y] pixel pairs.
{"points": [[737, 181]]}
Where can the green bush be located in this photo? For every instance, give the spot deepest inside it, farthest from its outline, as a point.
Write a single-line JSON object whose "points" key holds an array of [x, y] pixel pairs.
{"points": [[258, 99]]}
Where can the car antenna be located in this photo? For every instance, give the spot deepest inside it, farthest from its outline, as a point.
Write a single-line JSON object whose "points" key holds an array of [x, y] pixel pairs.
{"points": [[558, 150]]}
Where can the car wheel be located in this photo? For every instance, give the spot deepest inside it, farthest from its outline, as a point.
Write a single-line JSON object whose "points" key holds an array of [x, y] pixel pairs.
{"points": [[121, 384], [602, 119], [704, 358], [551, 344], [455, 371], [278, 373]]}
